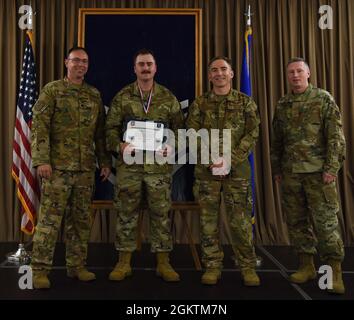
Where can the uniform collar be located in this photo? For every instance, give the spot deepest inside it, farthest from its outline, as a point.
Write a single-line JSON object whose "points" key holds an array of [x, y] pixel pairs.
{"points": [[228, 97], [69, 84], [303, 95], [156, 89]]}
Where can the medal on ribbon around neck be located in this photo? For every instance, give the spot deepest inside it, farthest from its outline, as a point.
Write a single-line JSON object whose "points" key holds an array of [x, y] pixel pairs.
{"points": [[145, 104]]}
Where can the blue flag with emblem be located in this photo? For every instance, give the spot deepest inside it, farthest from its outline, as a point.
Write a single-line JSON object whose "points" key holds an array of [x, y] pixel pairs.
{"points": [[246, 88]]}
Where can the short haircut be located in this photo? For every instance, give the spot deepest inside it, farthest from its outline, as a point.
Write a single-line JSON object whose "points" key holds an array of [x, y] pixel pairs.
{"points": [[226, 59], [298, 59], [76, 48], [143, 52]]}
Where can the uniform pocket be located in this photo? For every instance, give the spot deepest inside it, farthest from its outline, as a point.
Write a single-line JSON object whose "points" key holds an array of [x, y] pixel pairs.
{"points": [[313, 119], [196, 188], [249, 200], [313, 129], [239, 197], [40, 107], [88, 112], [234, 116], [330, 193], [208, 119], [64, 112]]}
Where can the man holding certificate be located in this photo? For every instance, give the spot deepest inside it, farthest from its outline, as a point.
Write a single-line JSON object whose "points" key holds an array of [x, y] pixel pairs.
{"points": [[135, 122]]}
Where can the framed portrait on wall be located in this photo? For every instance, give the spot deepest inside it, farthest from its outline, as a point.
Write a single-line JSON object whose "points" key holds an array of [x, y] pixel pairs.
{"points": [[113, 36]]}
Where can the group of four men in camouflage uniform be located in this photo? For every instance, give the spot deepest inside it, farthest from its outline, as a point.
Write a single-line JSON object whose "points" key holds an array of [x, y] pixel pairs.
{"points": [[68, 130]]}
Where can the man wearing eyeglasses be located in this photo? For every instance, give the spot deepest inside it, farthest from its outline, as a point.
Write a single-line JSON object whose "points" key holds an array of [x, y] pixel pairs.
{"points": [[67, 137]]}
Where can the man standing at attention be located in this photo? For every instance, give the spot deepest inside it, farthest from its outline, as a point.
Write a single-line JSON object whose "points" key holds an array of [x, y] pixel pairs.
{"points": [[308, 149], [143, 100], [226, 109], [67, 137]]}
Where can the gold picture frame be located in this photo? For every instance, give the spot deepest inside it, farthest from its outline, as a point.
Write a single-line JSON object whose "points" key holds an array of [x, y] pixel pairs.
{"points": [[85, 13]]}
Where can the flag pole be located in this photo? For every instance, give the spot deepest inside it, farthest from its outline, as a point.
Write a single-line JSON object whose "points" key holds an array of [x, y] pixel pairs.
{"points": [[248, 14], [21, 256], [246, 87]]}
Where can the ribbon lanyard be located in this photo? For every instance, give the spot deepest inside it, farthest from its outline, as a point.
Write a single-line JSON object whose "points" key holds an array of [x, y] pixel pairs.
{"points": [[146, 105]]}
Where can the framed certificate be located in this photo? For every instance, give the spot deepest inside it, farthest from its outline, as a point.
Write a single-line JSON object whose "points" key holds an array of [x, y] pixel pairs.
{"points": [[145, 135]]}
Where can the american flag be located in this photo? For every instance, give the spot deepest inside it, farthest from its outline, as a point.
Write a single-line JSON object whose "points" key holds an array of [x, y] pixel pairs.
{"points": [[22, 170]]}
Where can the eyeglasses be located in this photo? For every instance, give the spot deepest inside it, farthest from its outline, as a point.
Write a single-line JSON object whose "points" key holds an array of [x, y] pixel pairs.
{"points": [[78, 60]]}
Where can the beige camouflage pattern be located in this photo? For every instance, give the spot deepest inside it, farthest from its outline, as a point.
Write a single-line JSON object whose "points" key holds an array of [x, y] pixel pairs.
{"points": [[126, 105], [307, 141], [239, 113], [63, 188], [129, 196], [67, 133], [310, 208], [137, 183], [238, 207], [307, 134], [68, 127]]}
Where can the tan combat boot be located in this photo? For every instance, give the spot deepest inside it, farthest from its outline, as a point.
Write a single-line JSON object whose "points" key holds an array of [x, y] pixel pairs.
{"points": [[81, 273], [306, 269], [164, 269], [250, 278], [211, 276], [122, 268], [338, 285], [40, 280]]}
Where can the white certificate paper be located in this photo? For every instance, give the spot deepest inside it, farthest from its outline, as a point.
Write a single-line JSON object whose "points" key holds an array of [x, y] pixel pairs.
{"points": [[145, 135]]}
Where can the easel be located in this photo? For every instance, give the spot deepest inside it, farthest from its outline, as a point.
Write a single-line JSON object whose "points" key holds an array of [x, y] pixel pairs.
{"points": [[183, 208]]}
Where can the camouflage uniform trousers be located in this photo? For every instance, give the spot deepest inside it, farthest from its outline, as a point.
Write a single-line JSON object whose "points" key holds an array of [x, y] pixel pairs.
{"points": [[311, 209], [131, 190], [238, 207], [71, 190]]}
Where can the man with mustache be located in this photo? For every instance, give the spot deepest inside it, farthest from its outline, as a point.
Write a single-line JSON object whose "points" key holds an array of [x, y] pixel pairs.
{"points": [[67, 137], [224, 108], [308, 149], [143, 100]]}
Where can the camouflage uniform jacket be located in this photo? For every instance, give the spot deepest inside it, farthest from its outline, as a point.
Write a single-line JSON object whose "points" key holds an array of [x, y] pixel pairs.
{"points": [[127, 105], [237, 112], [307, 134], [68, 127]]}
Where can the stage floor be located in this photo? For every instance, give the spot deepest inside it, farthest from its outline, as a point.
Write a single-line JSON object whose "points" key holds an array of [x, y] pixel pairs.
{"points": [[278, 263]]}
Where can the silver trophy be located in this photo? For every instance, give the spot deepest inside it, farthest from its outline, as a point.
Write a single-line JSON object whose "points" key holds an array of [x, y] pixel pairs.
{"points": [[21, 256]]}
